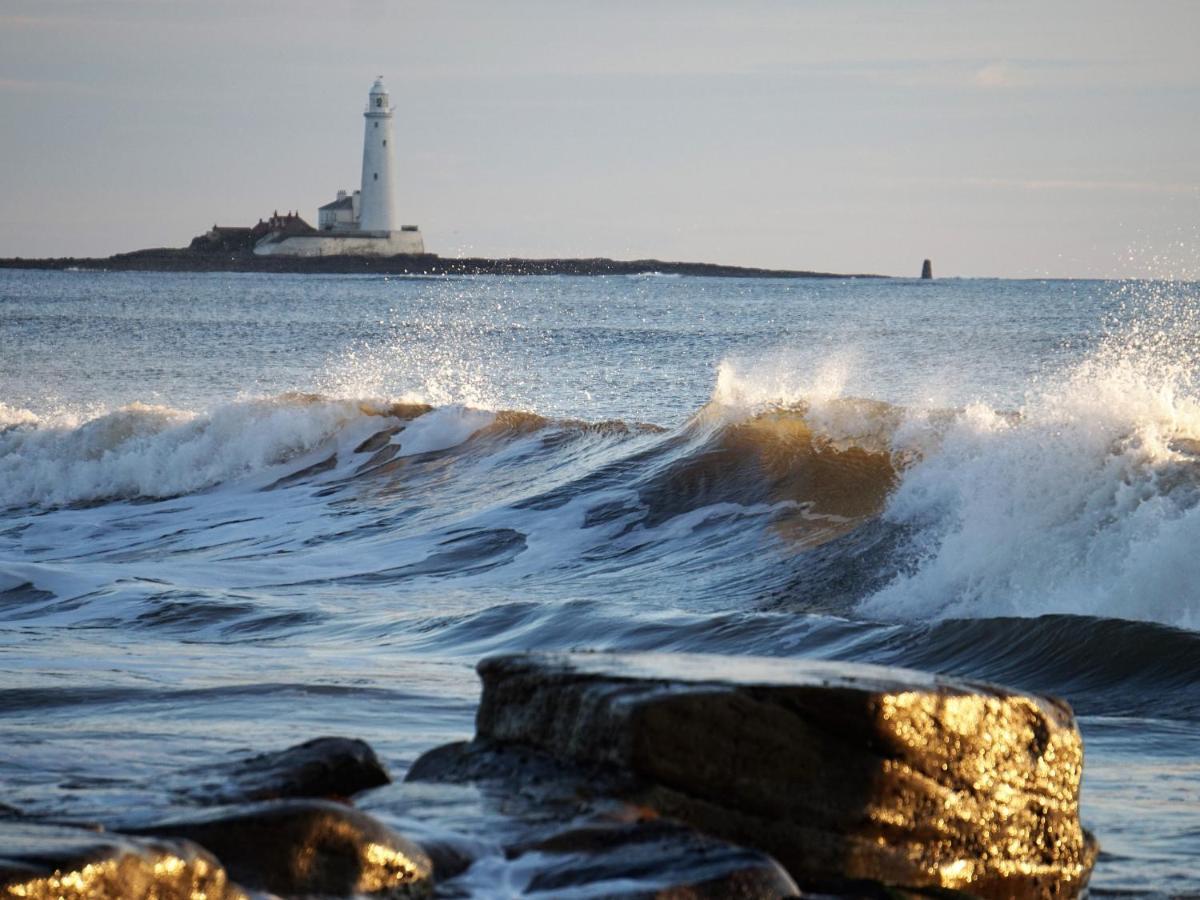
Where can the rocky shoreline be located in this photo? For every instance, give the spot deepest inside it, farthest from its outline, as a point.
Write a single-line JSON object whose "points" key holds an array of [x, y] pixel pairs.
{"points": [[633, 775], [186, 260]]}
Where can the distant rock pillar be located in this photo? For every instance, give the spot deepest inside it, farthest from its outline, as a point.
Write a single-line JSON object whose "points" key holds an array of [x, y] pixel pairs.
{"points": [[927, 269]]}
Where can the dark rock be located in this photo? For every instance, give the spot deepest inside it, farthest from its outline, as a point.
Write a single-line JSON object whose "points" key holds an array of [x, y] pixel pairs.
{"points": [[51, 861], [456, 824], [327, 767], [305, 847], [927, 269], [838, 770], [523, 769], [447, 858], [667, 860]]}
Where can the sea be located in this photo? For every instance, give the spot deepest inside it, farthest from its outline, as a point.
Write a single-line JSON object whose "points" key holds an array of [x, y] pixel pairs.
{"points": [[238, 511]]}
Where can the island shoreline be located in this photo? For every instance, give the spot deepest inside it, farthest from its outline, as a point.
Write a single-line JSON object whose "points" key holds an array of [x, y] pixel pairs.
{"points": [[185, 260]]}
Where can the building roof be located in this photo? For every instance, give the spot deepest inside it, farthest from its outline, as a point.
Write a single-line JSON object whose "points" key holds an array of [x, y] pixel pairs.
{"points": [[346, 202]]}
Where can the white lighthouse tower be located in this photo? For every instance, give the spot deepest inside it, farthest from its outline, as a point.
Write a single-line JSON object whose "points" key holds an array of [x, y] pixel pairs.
{"points": [[362, 224], [378, 199]]}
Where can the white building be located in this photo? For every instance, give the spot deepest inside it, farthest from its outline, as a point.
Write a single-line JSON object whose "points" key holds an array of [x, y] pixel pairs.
{"points": [[341, 214], [362, 223]]}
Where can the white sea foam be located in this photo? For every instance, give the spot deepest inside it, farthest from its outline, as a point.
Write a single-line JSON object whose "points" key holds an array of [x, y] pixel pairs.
{"points": [[441, 429], [1084, 499], [14, 416], [157, 451], [440, 365], [780, 379], [1088, 502], [772, 382]]}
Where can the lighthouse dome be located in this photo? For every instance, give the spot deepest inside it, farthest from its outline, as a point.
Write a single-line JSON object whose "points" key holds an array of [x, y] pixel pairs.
{"points": [[378, 101]]}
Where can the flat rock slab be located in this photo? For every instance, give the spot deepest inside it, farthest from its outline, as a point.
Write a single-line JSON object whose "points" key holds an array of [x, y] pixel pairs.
{"points": [[838, 770], [326, 767], [51, 861], [307, 847]]}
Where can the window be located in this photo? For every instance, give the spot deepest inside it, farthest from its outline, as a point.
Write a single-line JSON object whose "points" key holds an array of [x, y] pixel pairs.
{"points": [[375, 176], [379, 101], [385, 142], [376, 124]]}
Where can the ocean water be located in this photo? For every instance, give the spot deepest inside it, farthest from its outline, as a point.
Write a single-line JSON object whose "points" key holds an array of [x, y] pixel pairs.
{"points": [[240, 511]]}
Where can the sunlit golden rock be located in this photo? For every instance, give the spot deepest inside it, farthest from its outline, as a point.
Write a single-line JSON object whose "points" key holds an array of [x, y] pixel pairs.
{"points": [[49, 862], [308, 847], [837, 770]]}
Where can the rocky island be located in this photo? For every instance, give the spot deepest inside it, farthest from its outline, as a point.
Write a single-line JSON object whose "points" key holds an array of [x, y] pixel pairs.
{"points": [[191, 259]]}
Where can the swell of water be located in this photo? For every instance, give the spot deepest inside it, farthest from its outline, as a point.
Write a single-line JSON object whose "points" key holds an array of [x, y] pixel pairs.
{"points": [[1084, 501]]}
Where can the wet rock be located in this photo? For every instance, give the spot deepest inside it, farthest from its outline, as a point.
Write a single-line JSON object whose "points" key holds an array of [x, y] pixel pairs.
{"points": [[51, 861], [839, 771], [664, 859], [522, 770], [327, 767], [302, 847], [448, 859], [455, 824]]}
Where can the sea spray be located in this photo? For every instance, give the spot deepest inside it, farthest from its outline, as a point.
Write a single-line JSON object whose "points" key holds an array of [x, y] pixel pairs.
{"points": [[1086, 501], [156, 451]]}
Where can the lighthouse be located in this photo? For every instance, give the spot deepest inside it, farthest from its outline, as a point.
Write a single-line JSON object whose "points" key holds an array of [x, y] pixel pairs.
{"points": [[363, 223], [378, 199]]}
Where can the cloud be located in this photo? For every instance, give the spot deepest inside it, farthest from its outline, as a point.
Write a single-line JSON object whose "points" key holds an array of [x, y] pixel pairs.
{"points": [[1143, 187], [14, 22], [19, 86], [1001, 75], [16, 86], [1080, 184]]}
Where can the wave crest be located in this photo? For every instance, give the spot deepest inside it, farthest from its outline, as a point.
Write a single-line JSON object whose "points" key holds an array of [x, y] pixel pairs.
{"points": [[144, 451], [1086, 503]]}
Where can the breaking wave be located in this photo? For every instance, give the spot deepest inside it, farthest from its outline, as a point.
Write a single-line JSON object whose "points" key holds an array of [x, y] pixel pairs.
{"points": [[1085, 501], [144, 451]]}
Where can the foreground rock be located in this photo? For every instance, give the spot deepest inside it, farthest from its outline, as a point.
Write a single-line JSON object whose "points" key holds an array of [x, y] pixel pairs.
{"points": [[663, 859], [332, 768], [304, 847], [50, 861], [839, 771]]}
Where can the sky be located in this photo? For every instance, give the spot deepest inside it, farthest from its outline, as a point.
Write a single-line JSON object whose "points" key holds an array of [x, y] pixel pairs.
{"points": [[997, 138]]}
